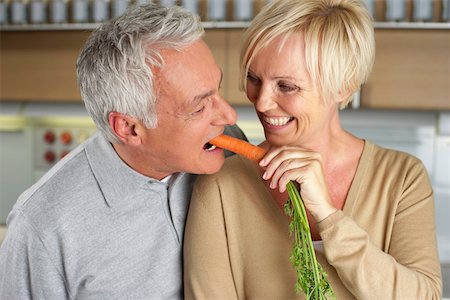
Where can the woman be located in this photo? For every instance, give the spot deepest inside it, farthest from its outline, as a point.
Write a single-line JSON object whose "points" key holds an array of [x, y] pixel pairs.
{"points": [[370, 209]]}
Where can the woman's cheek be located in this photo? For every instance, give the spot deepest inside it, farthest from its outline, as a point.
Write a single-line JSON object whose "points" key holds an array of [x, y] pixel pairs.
{"points": [[252, 93]]}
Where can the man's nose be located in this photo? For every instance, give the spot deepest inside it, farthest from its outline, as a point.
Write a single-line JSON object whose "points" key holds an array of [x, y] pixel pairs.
{"points": [[226, 115]]}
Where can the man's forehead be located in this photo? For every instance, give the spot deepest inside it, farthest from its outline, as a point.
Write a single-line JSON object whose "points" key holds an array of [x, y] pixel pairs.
{"points": [[188, 75]]}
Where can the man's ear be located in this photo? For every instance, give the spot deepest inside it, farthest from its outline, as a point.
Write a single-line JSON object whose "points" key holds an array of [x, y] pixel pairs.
{"points": [[124, 127]]}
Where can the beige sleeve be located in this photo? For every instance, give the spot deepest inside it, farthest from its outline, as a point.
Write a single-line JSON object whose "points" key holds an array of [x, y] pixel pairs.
{"points": [[410, 269], [207, 271]]}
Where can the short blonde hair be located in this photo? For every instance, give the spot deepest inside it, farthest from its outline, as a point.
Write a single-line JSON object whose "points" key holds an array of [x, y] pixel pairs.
{"points": [[339, 41]]}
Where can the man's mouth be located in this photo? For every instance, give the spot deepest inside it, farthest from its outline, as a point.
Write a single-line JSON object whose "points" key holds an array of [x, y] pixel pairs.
{"points": [[209, 147]]}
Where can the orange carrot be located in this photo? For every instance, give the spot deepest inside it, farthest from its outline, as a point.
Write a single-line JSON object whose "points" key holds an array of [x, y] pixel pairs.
{"points": [[238, 146]]}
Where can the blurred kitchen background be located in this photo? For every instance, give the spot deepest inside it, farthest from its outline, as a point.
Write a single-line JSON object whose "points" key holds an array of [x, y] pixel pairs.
{"points": [[405, 105]]}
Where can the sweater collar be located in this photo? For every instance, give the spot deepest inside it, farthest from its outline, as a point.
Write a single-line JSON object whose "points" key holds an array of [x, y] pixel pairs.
{"points": [[115, 178]]}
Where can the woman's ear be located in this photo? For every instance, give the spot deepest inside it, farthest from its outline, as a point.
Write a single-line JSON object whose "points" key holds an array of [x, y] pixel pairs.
{"points": [[343, 96], [124, 127]]}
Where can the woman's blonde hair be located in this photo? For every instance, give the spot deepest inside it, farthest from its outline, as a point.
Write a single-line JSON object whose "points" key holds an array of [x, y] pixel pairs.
{"points": [[339, 41]]}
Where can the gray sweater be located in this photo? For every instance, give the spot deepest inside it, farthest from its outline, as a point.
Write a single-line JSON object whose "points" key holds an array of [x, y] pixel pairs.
{"points": [[92, 228]]}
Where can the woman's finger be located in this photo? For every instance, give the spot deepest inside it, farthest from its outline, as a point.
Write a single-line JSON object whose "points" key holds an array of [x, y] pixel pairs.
{"points": [[291, 166], [279, 156]]}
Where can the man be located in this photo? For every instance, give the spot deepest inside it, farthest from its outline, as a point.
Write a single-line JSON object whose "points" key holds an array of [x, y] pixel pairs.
{"points": [[107, 221]]}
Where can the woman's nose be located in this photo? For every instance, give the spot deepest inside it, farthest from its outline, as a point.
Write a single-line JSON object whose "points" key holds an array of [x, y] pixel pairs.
{"points": [[264, 100]]}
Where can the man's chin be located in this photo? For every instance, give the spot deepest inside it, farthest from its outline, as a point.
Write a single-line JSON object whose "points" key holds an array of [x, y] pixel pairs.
{"points": [[214, 167]]}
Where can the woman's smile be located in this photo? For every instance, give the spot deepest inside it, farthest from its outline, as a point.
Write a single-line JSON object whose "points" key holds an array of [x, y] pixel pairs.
{"points": [[277, 121]]}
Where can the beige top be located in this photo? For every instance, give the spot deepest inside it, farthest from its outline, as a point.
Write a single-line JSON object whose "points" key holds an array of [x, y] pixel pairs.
{"points": [[382, 245]]}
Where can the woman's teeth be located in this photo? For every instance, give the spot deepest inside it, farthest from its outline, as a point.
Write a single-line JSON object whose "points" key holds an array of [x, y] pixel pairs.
{"points": [[277, 121]]}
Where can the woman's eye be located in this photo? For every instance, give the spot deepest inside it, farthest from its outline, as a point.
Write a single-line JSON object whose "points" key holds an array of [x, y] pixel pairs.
{"points": [[285, 88], [252, 78]]}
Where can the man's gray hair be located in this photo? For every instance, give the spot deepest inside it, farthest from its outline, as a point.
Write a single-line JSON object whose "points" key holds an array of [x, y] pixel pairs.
{"points": [[114, 68]]}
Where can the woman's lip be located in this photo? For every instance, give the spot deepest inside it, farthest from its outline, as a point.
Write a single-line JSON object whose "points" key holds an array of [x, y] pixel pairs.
{"points": [[277, 121]]}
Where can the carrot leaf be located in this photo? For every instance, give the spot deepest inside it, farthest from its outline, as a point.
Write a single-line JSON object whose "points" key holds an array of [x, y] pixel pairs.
{"points": [[311, 279]]}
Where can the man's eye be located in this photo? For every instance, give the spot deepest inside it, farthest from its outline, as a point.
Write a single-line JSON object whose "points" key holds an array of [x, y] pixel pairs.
{"points": [[199, 111]]}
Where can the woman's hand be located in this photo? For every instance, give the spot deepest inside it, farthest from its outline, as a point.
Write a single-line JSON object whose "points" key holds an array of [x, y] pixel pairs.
{"points": [[304, 167]]}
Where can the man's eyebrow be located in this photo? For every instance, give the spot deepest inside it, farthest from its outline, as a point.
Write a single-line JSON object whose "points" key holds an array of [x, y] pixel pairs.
{"points": [[200, 97]]}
